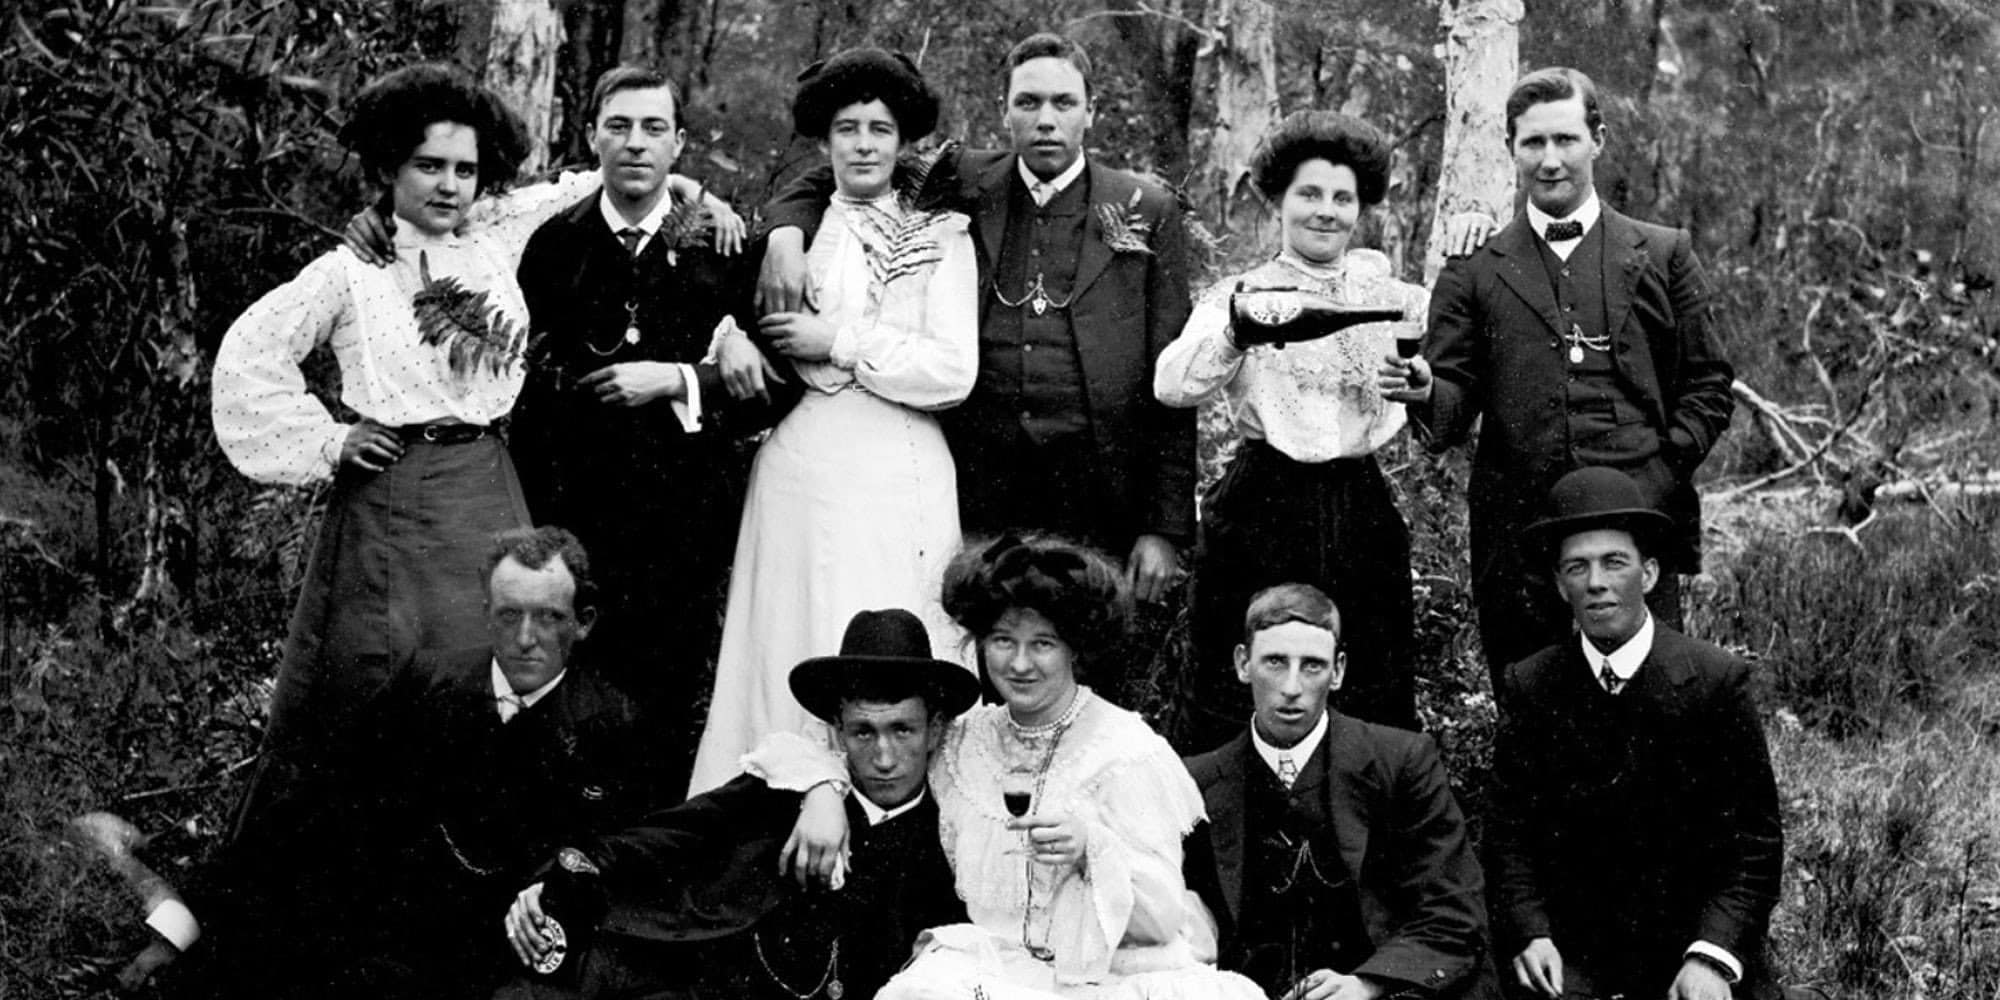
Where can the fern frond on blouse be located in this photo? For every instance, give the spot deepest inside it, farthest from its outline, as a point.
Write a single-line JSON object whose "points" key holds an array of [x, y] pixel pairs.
{"points": [[474, 335], [923, 186], [898, 245]]}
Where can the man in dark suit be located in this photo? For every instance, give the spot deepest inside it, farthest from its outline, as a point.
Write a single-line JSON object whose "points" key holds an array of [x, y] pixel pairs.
{"points": [[1082, 283], [1583, 338], [1634, 837], [624, 432], [458, 779], [1334, 857], [691, 903]]}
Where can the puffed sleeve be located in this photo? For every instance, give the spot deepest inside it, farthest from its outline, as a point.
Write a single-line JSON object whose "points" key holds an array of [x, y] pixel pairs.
{"points": [[1203, 358], [930, 366], [1137, 812], [505, 221], [272, 429]]}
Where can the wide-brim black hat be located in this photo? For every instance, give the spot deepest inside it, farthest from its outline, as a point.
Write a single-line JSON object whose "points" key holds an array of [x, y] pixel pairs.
{"points": [[1593, 498], [860, 75], [882, 653]]}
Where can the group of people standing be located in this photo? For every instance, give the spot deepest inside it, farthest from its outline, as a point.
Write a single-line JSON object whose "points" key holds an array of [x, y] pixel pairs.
{"points": [[959, 392]]}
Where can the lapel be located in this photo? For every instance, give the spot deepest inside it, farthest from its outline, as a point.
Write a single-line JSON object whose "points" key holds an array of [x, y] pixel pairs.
{"points": [[1520, 267], [1349, 788], [995, 185], [1226, 822], [1624, 262], [1666, 669], [1106, 187]]}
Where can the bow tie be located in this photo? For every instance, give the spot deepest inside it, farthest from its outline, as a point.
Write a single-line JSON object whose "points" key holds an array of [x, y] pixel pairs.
{"points": [[1566, 230]]}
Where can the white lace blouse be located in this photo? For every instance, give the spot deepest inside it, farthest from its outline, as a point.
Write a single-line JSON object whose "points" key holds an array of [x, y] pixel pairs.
{"points": [[275, 431], [901, 290], [1314, 401]]}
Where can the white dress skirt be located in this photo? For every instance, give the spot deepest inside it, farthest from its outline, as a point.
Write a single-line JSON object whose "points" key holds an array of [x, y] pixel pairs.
{"points": [[853, 500]]}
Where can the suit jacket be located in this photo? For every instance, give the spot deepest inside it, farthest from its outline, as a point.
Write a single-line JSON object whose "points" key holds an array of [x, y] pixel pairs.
{"points": [[576, 455], [465, 809], [707, 869], [1701, 856], [1126, 308], [1401, 836], [1494, 350]]}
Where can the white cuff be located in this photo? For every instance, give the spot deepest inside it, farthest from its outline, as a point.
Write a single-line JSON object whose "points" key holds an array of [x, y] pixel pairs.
{"points": [[175, 922], [844, 346], [1720, 955], [688, 412], [723, 328]]}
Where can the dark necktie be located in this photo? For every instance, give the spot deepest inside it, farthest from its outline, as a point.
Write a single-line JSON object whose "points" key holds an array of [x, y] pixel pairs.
{"points": [[1559, 231], [630, 237], [1609, 678]]}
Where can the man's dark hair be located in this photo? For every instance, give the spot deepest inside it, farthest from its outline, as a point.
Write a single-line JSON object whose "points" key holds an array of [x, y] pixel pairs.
{"points": [[389, 118], [1341, 140], [534, 547], [1290, 602], [619, 78], [1554, 83], [1047, 45]]}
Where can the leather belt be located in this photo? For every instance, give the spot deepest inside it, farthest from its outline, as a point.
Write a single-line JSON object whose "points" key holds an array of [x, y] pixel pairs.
{"points": [[446, 433]]}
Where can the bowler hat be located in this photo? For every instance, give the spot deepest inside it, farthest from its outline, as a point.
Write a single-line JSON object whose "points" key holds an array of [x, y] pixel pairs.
{"points": [[1595, 497], [883, 653]]}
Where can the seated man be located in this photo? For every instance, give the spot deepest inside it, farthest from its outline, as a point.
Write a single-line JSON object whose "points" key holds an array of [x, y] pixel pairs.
{"points": [[1334, 857], [691, 902], [1635, 839], [470, 768]]}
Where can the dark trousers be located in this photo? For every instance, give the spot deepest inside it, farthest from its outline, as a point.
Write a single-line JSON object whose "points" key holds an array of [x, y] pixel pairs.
{"points": [[1333, 525]]}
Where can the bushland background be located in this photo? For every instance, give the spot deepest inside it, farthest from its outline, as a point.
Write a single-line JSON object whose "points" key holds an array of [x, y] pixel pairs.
{"points": [[1837, 161]]}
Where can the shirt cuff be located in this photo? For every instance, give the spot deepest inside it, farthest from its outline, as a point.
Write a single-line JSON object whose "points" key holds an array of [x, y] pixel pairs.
{"points": [[173, 921], [1720, 956], [688, 411], [844, 346]]}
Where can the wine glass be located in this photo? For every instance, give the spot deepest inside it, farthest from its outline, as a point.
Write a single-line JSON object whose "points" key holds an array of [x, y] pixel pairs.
{"points": [[1017, 794]]}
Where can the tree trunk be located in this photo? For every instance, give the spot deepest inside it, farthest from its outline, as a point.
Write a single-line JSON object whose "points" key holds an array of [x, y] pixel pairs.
{"points": [[1482, 59], [646, 24], [1163, 51], [1246, 104], [515, 43]]}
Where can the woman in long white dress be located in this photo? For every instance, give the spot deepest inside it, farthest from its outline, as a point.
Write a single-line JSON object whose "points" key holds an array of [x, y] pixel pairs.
{"points": [[852, 502], [1062, 814]]}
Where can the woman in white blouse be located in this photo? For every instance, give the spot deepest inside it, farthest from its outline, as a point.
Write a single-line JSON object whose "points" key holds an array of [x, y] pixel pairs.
{"points": [[852, 502], [1304, 499], [429, 351]]}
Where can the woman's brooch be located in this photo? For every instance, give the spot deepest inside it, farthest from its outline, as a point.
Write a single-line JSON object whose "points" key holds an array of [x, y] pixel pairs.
{"points": [[1125, 228]]}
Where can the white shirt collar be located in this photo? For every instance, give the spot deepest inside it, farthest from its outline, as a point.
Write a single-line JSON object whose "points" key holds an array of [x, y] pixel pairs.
{"points": [[1299, 754], [1626, 659], [1062, 180], [1585, 213], [646, 226], [503, 692], [878, 815]]}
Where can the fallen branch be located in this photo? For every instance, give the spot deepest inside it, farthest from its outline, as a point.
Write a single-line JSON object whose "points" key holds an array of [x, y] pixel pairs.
{"points": [[1825, 443]]}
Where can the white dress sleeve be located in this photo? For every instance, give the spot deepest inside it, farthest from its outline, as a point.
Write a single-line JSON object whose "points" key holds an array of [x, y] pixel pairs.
{"points": [[926, 361], [1202, 359], [270, 427]]}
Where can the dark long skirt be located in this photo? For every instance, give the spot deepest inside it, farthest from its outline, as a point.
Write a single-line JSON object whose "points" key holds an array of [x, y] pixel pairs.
{"points": [[395, 569], [1334, 525]]}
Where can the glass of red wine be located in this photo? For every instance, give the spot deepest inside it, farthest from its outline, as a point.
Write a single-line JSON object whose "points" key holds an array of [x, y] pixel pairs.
{"points": [[1407, 347], [1017, 795]]}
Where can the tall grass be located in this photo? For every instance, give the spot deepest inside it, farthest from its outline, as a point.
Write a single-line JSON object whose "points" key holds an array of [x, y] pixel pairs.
{"points": [[1881, 663]]}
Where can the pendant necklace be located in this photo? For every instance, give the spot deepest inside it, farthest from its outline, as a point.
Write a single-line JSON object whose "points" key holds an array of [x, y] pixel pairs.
{"points": [[829, 981], [1042, 952]]}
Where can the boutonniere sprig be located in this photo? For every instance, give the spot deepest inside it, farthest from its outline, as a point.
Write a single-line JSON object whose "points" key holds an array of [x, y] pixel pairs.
{"points": [[688, 225], [1637, 261], [1126, 230], [474, 335]]}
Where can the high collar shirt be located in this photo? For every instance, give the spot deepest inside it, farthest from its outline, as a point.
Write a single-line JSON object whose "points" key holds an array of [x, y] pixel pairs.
{"points": [[1626, 660], [511, 703], [878, 815], [275, 431], [1585, 215], [1298, 754], [1314, 401], [1044, 191]]}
